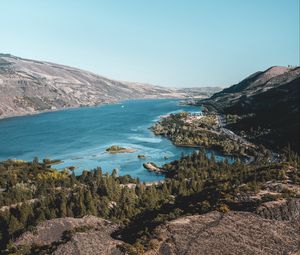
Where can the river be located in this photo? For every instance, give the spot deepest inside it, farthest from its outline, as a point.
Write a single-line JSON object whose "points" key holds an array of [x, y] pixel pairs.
{"points": [[80, 136]]}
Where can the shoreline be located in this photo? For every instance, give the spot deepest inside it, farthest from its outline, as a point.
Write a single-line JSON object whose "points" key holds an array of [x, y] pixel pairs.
{"points": [[206, 112], [51, 110], [217, 152], [83, 106]]}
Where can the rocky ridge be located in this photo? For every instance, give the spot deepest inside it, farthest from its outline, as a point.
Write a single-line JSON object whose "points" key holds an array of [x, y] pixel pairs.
{"points": [[255, 84]]}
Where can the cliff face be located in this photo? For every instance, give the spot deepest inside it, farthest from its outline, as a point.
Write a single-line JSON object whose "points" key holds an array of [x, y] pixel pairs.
{"points": [[28, 86]]}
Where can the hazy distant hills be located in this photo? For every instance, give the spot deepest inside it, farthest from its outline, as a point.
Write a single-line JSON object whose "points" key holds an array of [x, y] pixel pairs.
{"points": [[268, 106], [29, 86]]}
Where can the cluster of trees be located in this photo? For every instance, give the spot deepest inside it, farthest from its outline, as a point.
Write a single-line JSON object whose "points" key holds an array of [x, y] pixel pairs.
{"points": [[200, 133], [32, 192]]}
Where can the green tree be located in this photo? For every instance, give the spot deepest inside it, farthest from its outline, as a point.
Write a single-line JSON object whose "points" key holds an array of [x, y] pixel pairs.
{"points": [[14, 225], [89, 202]]}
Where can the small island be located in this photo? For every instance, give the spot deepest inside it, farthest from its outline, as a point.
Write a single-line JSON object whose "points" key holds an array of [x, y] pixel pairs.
{"points": [[117, 149], [152, 167]]}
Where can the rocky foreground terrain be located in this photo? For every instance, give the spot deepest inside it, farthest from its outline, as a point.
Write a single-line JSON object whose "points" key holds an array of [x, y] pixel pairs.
{"points": [[231, 233], [212, 233], [30, 86], [87, 235]]}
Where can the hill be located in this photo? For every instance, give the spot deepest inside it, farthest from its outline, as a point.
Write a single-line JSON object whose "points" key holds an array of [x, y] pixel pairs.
{"points": [[264, 107], [30, 86], [256, 83]]}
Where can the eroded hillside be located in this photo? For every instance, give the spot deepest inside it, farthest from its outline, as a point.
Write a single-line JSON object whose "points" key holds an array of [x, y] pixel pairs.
{"points": [[29, 86]]}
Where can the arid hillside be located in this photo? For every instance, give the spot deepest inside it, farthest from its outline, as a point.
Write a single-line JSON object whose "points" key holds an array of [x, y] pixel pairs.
{"points": [[211, 233], [29, 86]]}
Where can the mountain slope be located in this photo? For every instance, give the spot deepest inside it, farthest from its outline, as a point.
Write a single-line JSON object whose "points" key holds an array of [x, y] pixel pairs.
{"points": [[256, 83], [255, 80], [266, 105], [28, 86]]}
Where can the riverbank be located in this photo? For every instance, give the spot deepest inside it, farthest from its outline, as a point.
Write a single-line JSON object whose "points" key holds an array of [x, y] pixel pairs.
{"points": [[110, 102], [37, 112]]}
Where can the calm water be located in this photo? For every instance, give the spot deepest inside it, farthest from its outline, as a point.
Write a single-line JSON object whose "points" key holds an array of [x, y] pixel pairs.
{"points": [[79, 137]]}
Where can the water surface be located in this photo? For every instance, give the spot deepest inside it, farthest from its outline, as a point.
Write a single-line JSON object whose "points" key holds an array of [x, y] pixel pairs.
{"points": [[80, 136]]}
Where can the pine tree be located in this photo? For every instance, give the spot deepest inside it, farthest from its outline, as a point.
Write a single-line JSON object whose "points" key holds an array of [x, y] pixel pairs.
{"points": [[62, 206], [89, 202], [14, 225], [25, 211]]}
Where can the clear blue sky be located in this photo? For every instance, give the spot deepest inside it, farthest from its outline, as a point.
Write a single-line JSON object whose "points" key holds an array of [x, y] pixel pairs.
{"points": [[164, 42]]}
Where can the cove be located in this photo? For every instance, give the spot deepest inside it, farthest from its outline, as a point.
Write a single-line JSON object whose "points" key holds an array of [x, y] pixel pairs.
{"points": [[79, 137]]}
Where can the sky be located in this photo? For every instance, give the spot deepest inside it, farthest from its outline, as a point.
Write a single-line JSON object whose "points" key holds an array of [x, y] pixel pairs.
{"points": [[177, 43]]}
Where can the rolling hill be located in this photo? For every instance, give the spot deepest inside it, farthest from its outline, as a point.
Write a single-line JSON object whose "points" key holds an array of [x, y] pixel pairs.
{"points": [[30, 86]]}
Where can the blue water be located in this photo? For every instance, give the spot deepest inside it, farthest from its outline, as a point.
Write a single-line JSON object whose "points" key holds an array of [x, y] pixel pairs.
{"points": [[79, 137]]}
